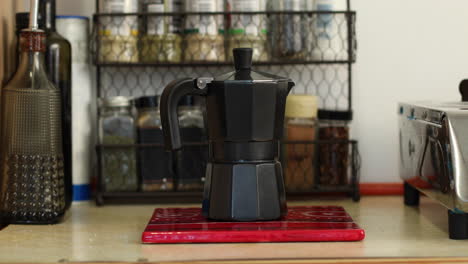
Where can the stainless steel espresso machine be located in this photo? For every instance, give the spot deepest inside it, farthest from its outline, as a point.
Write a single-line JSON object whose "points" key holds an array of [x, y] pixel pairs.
{"points": [[433, 139]]}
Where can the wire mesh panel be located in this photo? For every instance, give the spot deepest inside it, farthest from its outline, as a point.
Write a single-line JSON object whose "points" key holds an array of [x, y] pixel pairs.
{"points": [[329, 82], [208, 38]]}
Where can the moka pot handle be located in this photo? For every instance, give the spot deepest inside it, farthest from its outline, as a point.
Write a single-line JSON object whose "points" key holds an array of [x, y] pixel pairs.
{"points": [[168, 107]]}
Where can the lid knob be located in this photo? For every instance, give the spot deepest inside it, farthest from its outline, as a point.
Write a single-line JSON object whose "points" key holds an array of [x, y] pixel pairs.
{"points": [[243, 58]]}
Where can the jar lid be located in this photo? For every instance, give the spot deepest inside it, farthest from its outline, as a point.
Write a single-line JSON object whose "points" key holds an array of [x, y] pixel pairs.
{"points": [[117, 101], [335, 115], [302, 106], [147, 102]]}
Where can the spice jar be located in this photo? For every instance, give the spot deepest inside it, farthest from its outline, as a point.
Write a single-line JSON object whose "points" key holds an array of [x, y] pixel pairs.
{"points": [[118, 34], [334, 151], [117, 135], [191, 161], [288, 33], [247, 30], [161, 40], [154, 164], [204, 33], [299, 151]]}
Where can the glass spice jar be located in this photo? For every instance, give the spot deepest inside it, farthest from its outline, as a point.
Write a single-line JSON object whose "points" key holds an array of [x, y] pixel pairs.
{"points": [[161, 40], [334, 152], [204, 34], [191, 161], [116, 127], [118, 35], [300, 150], [247, 30], [288, 33], [154, 163]]}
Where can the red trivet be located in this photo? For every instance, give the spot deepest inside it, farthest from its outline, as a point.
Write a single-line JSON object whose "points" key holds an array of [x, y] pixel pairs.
{"points": [[302, 224]]}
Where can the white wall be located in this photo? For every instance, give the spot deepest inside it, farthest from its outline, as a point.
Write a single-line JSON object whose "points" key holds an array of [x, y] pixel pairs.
{"points": [[407, 50], [72, 7], [76, 7]]}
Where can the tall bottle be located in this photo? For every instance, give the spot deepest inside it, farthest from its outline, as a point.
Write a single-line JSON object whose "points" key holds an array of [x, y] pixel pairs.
{"points": [[31, 179], [58, 67]]}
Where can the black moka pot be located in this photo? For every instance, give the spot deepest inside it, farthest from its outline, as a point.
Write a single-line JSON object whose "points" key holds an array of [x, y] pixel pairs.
{"points": [[245, 110]]}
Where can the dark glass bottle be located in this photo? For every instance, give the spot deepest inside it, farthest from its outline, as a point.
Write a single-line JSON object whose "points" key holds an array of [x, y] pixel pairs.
{"points": [[58, 68], [31, 178]]}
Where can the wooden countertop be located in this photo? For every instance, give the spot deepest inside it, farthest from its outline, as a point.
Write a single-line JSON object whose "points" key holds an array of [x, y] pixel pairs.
{"points": [[112, 233]]}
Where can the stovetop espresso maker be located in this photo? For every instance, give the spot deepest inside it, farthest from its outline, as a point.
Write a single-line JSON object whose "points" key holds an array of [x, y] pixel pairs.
{"points": [[245, 111]]}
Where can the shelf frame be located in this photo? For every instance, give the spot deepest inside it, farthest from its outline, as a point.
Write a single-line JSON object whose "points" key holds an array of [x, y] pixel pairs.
{"points": [[102, 197]]}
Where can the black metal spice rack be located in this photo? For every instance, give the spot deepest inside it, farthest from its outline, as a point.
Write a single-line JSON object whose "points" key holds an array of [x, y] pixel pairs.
{"points": [[328, 78]]}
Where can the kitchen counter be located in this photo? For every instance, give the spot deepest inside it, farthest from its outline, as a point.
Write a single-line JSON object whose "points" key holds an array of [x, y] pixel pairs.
{"points": [[112, 233]]}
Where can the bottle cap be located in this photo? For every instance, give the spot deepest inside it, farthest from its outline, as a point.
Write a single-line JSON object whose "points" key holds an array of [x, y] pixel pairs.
{"points": [[301, 106], [35, 41], [22, 21], [147, 102]]}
